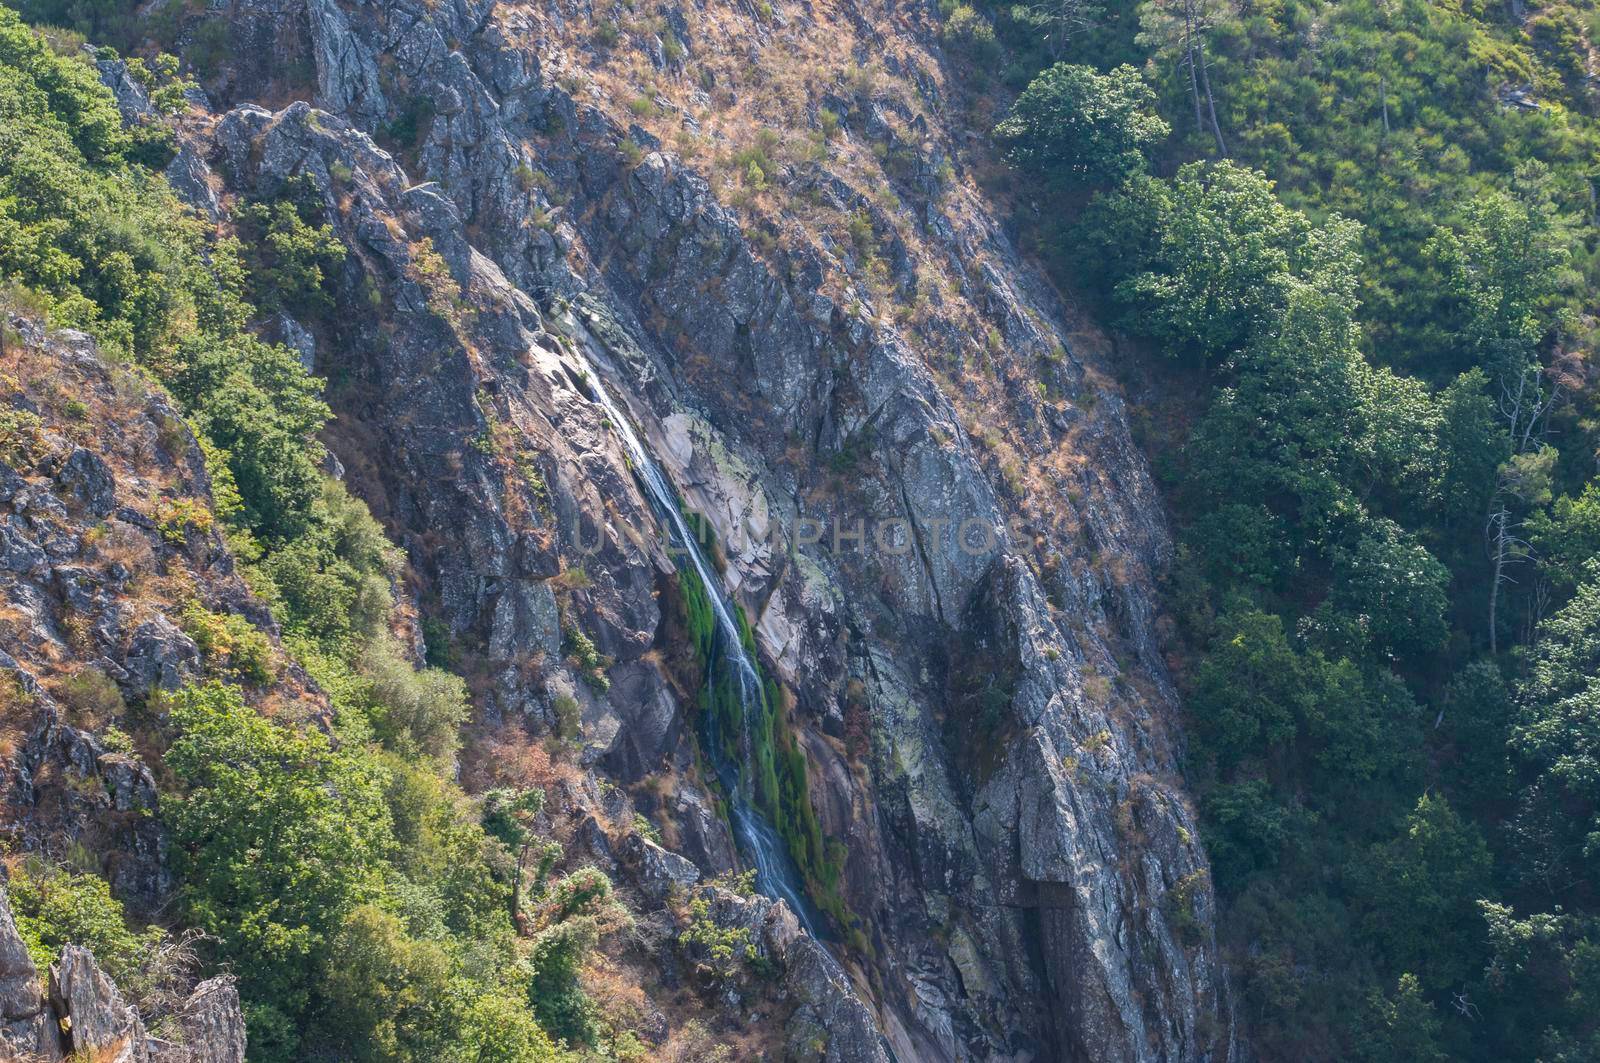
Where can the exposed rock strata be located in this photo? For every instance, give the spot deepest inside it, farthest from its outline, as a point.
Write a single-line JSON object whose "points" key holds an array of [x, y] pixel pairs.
{"points": [[1017, 847]]}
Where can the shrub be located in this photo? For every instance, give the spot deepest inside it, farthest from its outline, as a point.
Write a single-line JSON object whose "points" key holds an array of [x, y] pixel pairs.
{"points": [[230, 642], [21, 438], [54, 907], [584, 659], [91, 697], [971, 33], [580, 893], [569, 717], [413, 712], [724, 950], [178, 518], [411, 123], [276, 837], [290, 251], [554, 992], [754, 162]]}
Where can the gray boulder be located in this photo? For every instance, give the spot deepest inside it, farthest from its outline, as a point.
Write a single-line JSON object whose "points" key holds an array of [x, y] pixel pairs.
{"points": [[657, 871], [210, 1027], [26, 1025], [98, 1023], [86, 479], [86, 1016]]}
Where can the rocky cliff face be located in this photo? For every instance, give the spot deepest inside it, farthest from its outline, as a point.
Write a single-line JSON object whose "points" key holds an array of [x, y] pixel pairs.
{"points": [[108, 553], [104, 530], [100, 542], [917, 471], [84, 1016]]}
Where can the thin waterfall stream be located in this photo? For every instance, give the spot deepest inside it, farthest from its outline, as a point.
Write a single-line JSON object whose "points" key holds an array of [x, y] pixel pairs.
{"points": [[776, 874]]}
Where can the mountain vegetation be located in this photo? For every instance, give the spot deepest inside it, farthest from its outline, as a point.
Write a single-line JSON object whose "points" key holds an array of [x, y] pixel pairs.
{"points": [[1369, 242], [1350, 253], [327, 855]]}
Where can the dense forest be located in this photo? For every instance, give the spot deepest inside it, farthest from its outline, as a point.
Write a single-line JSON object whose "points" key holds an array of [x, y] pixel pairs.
{"points": [[1369, 229]]}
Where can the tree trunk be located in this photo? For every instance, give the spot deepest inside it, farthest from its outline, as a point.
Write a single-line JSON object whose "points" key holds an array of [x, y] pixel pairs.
{"points": [[517, 918], [1497, 519], [1211, 103], [1188, 54]]}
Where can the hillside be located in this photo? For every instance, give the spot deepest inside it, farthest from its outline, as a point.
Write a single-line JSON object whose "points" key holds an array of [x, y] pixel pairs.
{"points": [[470, 272], [823, 531]]}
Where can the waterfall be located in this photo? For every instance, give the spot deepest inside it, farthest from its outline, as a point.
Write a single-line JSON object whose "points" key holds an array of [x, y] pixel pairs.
{"points": [[776, 874]]}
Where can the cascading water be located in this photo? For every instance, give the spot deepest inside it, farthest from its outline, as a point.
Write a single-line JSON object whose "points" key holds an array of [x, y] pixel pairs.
{"points": [[759, 841]]}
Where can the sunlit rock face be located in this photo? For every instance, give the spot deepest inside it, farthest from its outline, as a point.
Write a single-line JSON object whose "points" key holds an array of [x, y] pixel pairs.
{"points": [[918, 481]]}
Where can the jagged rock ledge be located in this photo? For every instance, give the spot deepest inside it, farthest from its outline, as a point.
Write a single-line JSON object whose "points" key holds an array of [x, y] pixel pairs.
{"points": [[84, 1015]]}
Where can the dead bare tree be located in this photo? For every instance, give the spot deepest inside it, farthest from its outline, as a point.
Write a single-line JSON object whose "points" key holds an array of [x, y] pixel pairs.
{"points": [[1178, 29], [1525, 402], [1523, 479], [1198, 56], [1505, 548]]}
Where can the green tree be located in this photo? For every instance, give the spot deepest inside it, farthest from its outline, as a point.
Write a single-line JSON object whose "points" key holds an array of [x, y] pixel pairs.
{"points": [[452, 868], [499, 1028], [103, 241], [1505, 265], [1403, 1027], [1245, 828], [277, 835], [1544, 975], [557, 998], [1178, 31], [387, 995], [1206, 260], [1293, 432], [1422, 890], [1477, 714], [332, 581], [256, 404], [1249, 689], [1567, 535], [1395, 586], [1556, 734], [1473, 443], [418, 713], [1075, 125]]}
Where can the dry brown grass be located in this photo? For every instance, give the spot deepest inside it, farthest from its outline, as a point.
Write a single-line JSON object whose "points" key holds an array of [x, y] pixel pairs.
{"points": [[16, 715], [509, 755], [117, 543]]}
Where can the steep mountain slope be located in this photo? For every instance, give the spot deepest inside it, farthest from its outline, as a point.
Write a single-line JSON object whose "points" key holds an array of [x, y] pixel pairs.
{"points": [[79, 545], [767, 380], [905, 453]]}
